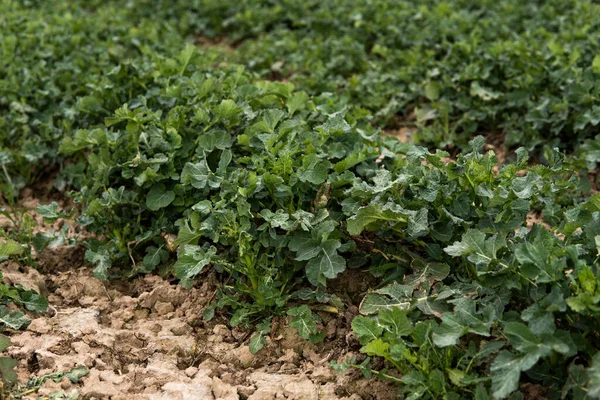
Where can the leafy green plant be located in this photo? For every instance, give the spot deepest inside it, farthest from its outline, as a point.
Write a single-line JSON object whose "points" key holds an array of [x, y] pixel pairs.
{"points": [[484, 300]]}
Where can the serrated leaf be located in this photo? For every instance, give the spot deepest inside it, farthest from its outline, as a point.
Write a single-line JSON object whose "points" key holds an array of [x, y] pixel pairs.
{"points": [[227, 109], [101, 260]]}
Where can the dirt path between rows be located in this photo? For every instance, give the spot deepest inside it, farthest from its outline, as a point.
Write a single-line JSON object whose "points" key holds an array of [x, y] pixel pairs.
{"points": [[146, 339]]}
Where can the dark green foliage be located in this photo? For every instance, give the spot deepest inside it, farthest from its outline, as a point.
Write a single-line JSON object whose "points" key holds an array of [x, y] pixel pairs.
{"points": [[183, 159]]}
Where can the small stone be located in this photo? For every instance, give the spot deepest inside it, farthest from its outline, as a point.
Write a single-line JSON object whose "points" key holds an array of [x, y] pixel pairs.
{"points": [[181, 329], [39, 325], [244, 356], [191, 371], [163, 308], [290, 356], [86, 301], [221, 330], [81, 347], [223, 391]]}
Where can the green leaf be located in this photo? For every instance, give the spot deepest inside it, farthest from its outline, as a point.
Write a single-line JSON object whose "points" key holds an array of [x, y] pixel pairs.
{"points": [[296, 102], [257, 342], [395, 321], [314, 170], [335, 124], [305, 246], [367, 329], [377, 348], [154, 257], [49, 212], [303, 320], [33, 301], [594, 377], [7, 372], [9, 247], [4, 342], [226, 110], [191, 260], [13, 319], [327, 265], [372, 215], [77, 373], [101, 260], [596, 64], [506, 371], [476, 247], [158, 197]]}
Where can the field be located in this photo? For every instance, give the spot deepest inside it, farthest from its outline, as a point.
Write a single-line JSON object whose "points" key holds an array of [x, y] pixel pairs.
{"points": [[280, 199]]}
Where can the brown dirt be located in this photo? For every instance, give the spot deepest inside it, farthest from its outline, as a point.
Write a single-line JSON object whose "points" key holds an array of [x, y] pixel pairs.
{"points": [[146, 339], [404, 134]]}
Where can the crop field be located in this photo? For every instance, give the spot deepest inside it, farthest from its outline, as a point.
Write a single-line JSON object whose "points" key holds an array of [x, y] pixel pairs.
{"points": [[299, 199]]}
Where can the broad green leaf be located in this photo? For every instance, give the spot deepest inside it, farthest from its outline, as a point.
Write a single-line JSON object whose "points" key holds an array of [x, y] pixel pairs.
{"points": [[476, 247], [154, 257], [158, 197], [372, 215], [33, 301], [367, 329], [296, 102], [377, 348], [7, 372], [328, 264], [227, 109], [305, 246], [594, 377], [303, 320], [314, 170], [506, 371], [335, 124], [4, 342], [395, 321], [374, 303], [49, 212], [9, 247], [596, 64], [13, 319], [257, 342], [191, 260]]}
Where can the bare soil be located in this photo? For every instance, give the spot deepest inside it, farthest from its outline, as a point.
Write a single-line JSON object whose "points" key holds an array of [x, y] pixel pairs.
{"points": [[146, 339]]}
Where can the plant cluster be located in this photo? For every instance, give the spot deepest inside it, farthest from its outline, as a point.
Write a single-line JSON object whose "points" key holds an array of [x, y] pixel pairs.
{"points": [[181, 159]]}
